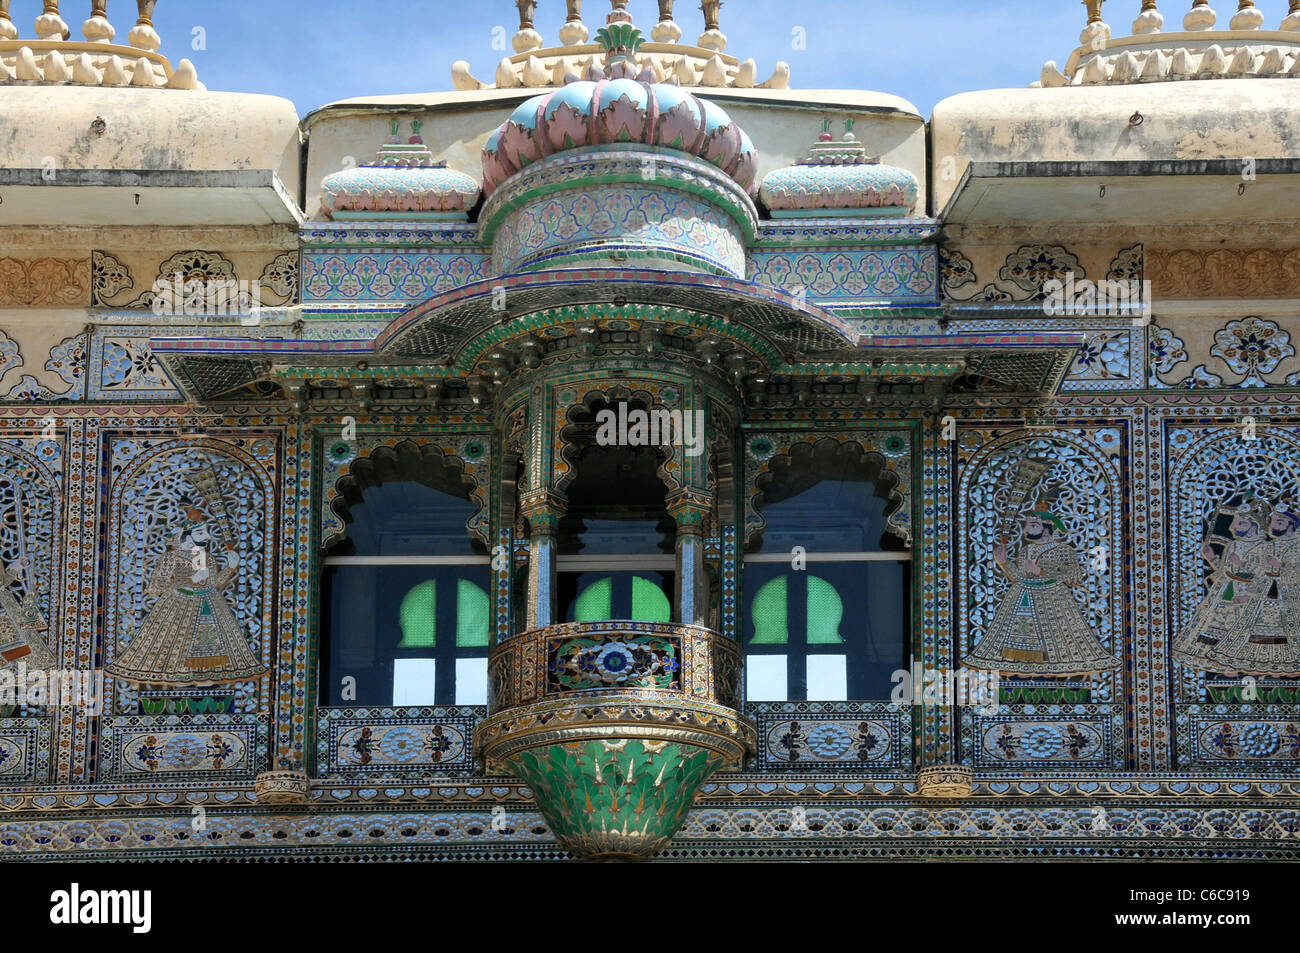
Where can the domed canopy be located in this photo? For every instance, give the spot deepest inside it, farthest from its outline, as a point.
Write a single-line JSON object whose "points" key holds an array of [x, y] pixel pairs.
{"points": [[837, 178], [402, 182], [616, 112]]}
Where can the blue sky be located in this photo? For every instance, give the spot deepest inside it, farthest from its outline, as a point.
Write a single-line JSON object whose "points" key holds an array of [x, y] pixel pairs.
{"points": [[318, 51]]}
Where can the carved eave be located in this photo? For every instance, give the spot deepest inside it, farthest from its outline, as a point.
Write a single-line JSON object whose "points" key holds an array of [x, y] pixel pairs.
{"points": [[436, 329], [1142, 193], [1028, 363], [223, 369]]}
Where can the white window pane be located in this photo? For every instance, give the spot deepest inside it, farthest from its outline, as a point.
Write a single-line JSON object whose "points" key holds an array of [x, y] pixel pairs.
{"points": [[413, 682], [471, 681], [765, 678], [828, 678]]}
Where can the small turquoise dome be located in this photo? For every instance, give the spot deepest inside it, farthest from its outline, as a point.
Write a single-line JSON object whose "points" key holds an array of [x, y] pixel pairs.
{"points": [[837, 178], [404, 182]]}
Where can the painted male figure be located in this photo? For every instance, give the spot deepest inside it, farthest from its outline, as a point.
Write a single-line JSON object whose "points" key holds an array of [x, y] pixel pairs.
{"points": [[191, 636], [1038, 628]]}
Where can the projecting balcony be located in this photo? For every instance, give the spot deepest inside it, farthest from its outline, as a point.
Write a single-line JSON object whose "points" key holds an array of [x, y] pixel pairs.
{"points": [[615, 725]]}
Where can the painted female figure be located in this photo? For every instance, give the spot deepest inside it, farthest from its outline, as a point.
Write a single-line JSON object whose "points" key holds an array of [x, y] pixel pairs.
{"points": [[1285, 529], [1038, 628], [21, 624], [1240, 627], [191, 636]]}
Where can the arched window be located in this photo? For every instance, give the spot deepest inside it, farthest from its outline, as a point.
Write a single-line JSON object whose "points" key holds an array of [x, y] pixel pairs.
{"points": [[406, 610], [827, 588], [615, 553], [622, 596]]}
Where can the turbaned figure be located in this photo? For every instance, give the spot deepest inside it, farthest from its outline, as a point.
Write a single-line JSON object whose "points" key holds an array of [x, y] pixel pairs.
{"points": [[1247, 622], [191, 636], [1038, 629]]}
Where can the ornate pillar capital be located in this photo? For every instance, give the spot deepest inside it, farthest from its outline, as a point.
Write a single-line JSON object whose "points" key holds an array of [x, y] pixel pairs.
{"points": [[691, 509], [543, 509]]}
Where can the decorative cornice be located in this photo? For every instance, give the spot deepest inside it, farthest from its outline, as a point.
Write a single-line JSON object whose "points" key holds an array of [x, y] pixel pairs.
{"points": [[44, 282], [1224, 272]]}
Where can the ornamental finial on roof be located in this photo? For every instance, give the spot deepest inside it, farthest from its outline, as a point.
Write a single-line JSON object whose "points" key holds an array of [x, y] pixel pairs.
{"points": [[619, 12], [7, 29], [143, 36], [1247, 17], [663, 59], [1292, 21], [666, 30], [1200, 17], [1097, 32], [97, 29], [620, 40], [1241, 50], [54, 58], [574, 32], [1149, 20], [49, 25], [527, 38], [712, 38]]}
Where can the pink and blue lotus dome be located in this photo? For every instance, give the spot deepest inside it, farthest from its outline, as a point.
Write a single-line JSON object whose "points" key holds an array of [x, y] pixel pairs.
{"points": [[619, 112]]}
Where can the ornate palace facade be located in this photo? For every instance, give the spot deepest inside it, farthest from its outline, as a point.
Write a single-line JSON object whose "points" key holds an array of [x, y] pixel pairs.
{"points": [[635, 456]]}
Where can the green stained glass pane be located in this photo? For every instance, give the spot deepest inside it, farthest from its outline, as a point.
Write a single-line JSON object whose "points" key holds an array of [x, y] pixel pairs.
{"points": [[472, 615], [825, 612], [593, 603], [770, 610], [419, 617], [649, 604]]}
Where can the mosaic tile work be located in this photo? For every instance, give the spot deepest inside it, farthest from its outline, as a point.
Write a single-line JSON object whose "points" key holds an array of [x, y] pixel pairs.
{"points": [[772, 827], [24, 751], [183, 745], [1072, 738], [842, 276], [386, 274], [893, 449], [357, 743], [820, 736], [1214, 734], [1078, 480], [634, 220], [1216, 464]]}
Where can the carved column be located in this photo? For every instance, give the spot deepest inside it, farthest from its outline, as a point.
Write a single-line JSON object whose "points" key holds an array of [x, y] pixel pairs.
{"points": [[691, 510], [543, 511]]}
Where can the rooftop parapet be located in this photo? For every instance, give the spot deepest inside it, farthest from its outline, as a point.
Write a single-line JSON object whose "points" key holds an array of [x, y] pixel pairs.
{"points": [[54, 58], [1150, 55], [704, 64]]}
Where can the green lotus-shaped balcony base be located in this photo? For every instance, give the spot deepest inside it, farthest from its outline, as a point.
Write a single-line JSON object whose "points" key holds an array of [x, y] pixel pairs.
{"points": [[614, 726], [613, 799]]}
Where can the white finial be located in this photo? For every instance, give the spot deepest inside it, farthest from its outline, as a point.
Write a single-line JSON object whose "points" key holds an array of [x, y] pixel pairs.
{"points": [[1200, 17], [666, 30], [1150, 20], [1247, 17], [143, 36], [49, 25], [97, 29], [1097, 32], [574, 32], [527, 38], [7, 29], [712, 38], [1292, 21]]}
